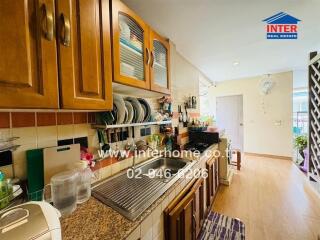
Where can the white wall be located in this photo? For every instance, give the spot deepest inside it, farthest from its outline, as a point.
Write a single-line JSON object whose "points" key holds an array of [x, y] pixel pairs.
{"points": [[184, 77], [184, 81], [300, 79], [260, 113]]}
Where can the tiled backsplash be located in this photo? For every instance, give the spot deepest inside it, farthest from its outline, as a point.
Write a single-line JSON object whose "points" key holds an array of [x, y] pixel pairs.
{"points": [[40, 130], [45, 129]]}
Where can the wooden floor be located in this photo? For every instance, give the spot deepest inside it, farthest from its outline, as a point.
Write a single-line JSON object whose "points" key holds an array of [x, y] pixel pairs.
{"points": [[273, 199]]}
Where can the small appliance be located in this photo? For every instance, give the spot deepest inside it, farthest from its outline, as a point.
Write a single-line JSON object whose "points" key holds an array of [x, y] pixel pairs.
{"points": [[204, 137], [32, 220]]}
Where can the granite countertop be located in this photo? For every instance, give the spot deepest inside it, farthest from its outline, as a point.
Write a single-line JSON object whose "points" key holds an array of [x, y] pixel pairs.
{"points": [[94, 220]]}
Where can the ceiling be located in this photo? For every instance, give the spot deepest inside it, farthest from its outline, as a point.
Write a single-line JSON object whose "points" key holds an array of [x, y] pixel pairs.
{"points": [[213, 34]]}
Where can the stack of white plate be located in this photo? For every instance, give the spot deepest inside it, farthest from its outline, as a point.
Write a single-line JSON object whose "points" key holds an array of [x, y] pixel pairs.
{"points": [[131, 110]]}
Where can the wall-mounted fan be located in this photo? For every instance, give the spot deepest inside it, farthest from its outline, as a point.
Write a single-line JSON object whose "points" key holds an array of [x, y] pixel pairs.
{"points": [[266, 85]]}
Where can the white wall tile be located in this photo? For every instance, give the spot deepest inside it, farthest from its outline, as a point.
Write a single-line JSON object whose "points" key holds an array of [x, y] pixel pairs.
{"points": [[5, 133], [165, 203], [178, 189], [27, 135], [45, 144], [45, 134], [172, 195], [19, 159], [160, 236], [146, 228], [135, 235], [105, 172], [93, 141], [65, 132], [157, 222], [115, 168], [80, 130]]}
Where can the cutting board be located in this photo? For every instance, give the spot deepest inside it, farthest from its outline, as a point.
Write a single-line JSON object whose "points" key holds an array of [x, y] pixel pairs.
{"points": [[35, 174], [59, 159]]}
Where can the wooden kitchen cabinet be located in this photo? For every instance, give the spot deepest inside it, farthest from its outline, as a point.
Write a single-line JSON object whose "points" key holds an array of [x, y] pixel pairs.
{"points": [[212, 181], [131, 52], [28, 62], [83, 29], [160, 64], [198, 214], [184, 216]]}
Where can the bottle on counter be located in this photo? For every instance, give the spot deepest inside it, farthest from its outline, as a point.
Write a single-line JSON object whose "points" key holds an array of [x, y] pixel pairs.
{"points": [[5, 191], [84, 181]]}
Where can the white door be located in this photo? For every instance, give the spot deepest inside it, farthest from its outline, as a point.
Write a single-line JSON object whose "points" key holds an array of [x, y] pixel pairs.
{"points": [[229, 114]]}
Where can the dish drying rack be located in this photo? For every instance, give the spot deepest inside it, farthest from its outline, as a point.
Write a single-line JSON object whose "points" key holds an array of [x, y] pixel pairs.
{"points": [[7, 144]]}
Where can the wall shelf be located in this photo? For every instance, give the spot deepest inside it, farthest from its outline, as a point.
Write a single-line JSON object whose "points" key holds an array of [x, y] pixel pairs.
{"points": [[128, 46], [160, 66], [131, 124]]}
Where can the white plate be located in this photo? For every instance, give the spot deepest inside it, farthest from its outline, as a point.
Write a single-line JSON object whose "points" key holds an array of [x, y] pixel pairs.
{"points": [[147, 109], [130, 111], [119, 102], [137, 106], [142, 113]]}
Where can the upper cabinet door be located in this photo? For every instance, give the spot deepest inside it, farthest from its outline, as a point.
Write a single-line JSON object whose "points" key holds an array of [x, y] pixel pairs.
{"points": [[131, 53], [160, 63], [84, 54], [28, 62]]}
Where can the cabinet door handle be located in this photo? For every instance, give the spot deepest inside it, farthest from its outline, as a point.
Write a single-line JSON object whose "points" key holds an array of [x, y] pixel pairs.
{"points": [[65, 30], [152, 56], [47, 22], [148, 56]]}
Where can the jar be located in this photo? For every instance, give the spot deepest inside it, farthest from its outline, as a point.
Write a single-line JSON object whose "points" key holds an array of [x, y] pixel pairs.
{"points": [[84, 185]]}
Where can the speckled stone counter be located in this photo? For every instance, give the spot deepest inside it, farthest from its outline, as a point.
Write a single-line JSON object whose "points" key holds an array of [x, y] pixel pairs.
{"points": [[94, 220]]}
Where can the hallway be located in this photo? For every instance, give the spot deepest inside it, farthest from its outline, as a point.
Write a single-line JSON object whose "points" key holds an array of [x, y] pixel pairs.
{"points": [[273, 199]]}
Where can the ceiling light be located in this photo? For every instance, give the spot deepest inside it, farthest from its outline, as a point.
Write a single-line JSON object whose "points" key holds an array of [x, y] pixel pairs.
{"points": [[235, 64]]}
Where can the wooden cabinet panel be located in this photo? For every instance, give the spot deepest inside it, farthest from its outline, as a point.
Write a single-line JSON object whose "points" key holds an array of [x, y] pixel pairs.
{"points": [[181, 219], [216, 175], [212, 180], [131, 54], [28, 62], [198, 215], [184, 216], [210, 186], [84, 54], [160, 64]]}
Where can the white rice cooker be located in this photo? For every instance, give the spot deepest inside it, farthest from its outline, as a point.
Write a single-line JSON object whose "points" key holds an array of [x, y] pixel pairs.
{"points": [[32, 220]]}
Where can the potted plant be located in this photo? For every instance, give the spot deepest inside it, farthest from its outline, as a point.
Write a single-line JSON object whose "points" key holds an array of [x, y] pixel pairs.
{"points": [[300, 143]]}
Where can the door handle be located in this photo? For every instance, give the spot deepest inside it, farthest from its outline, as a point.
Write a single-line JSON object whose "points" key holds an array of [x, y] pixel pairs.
{"points": [[152, 56], [241, 124], [148, 56], [65, 30], [47, 22]]}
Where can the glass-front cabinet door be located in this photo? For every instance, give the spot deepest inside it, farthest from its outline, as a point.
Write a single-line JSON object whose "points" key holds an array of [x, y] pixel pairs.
{"points": [[131, 51], [159, 71]]}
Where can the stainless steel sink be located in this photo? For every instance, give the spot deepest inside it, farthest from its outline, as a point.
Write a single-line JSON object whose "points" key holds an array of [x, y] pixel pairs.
{"points": [[165, 167], [131, 196]]}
